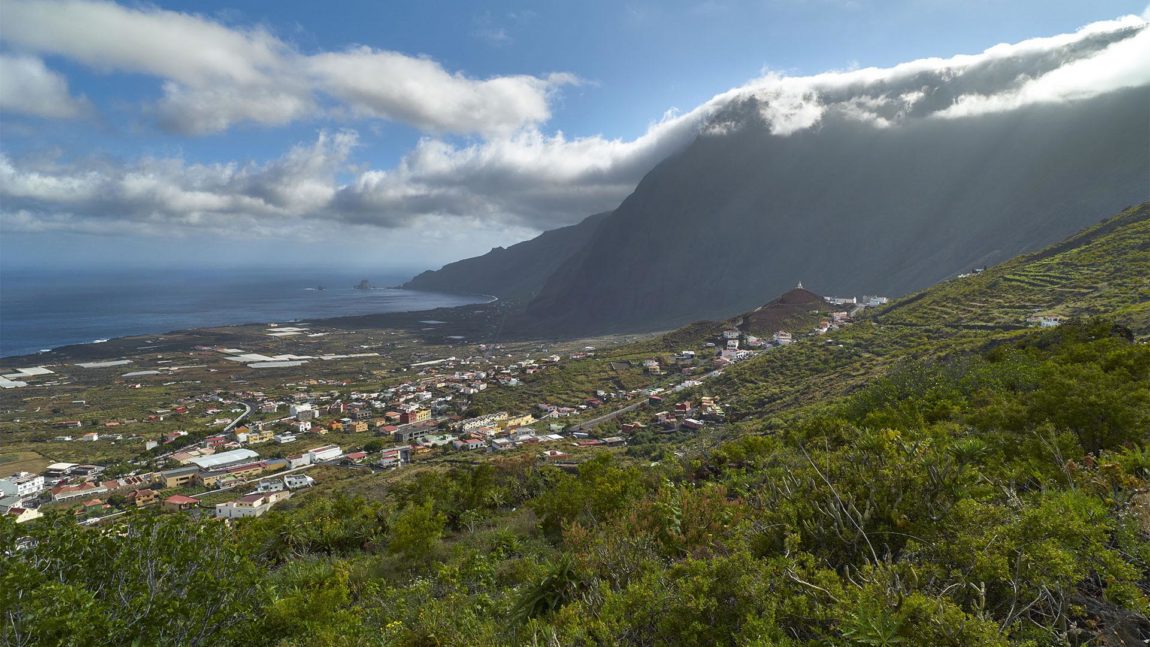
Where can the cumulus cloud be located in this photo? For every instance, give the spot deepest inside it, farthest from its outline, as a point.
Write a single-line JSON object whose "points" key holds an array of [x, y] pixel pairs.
{"points": [[214, 76], [528, 178], [166, 193], [420, 92], [27, 86]]}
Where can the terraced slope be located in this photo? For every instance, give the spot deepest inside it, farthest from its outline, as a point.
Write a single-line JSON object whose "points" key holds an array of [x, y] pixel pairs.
{"points": [[1103, 270]]}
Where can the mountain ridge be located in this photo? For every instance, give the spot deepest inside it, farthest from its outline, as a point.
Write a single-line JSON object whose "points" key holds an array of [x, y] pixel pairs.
{"points": [[514, 272], [846, 207]]}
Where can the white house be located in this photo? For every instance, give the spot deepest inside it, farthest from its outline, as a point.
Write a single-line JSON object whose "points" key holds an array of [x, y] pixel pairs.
{"points": [[21, 484], [252, 505], [297, 481], [299, 460], [469, 444], [270, 486], [325, 453], [395, 456]]}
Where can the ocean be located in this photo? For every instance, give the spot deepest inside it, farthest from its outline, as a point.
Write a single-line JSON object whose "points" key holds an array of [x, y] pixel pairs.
{"points": [[47, 309]]}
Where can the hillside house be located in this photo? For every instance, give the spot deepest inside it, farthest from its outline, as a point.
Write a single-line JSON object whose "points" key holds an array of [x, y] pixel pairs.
{"points": [[252, 505], [23, 515], [297, 481], [469, 444], [275, 485], [325, 453], [297, 461], [142, 497], [21, 484], [179, 502], [395, 456], [70, 492], [178, 477], [414, 416]]}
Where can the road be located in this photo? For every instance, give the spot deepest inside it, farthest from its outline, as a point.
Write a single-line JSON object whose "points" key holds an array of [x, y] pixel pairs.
{"points": [[588, 424], [232, 425]]}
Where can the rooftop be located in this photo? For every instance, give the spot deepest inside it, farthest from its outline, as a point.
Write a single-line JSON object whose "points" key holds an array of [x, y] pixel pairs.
{"points": [[224, 458]]}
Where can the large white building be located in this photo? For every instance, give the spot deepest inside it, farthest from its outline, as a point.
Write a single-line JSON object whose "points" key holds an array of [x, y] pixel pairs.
{"points": [[224, 459], [21, 484], [325, 453], [252, 505]]}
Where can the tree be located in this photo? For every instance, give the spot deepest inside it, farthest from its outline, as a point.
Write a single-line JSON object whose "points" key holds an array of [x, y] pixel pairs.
{"points": [[159, 580], [416, 531]]}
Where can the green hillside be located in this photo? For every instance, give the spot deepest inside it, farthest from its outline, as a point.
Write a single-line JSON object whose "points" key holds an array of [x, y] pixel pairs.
{"points": [[939, 473], [1104, 270]]}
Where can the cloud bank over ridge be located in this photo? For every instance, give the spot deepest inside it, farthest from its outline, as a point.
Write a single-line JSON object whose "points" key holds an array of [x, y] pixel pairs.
{"points": [[486, 156]]}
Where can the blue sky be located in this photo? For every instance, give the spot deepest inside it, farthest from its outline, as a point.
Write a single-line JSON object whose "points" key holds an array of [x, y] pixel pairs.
{"points": [[408, 134]]}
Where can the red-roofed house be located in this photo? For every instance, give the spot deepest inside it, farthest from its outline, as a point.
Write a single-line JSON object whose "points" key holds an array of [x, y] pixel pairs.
{"points": [[178, 502]]}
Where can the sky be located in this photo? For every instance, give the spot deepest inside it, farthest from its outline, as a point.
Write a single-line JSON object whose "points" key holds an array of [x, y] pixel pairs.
{"points": [[403, 135]]}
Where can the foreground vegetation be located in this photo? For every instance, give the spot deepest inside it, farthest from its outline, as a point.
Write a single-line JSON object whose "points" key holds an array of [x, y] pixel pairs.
{"points": [[985, 498]]}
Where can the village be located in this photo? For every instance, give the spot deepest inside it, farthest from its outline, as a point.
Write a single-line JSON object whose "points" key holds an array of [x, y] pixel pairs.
{"points": [[257, 447]]}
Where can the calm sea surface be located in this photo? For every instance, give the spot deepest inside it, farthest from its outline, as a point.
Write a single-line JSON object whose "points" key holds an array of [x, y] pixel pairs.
{"points": [[40, 310]]}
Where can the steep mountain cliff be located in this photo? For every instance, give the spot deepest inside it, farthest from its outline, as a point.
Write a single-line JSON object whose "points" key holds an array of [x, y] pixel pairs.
{"points": [[846, 207], [515, 272]]}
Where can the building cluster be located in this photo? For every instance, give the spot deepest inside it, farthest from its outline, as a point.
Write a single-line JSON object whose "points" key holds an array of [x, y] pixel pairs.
{"points": [[422, 414], [684, 416]]}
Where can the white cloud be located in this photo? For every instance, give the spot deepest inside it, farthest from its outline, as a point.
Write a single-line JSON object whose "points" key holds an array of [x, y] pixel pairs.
{"points": [[162, 194], [518, 174], [214, 76], [420, 92], [27, 86], [1099, 58], [1124, 64]]}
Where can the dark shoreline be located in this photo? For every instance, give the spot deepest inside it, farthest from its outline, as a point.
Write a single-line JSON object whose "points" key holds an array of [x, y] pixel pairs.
{"points": [[473, 321]]}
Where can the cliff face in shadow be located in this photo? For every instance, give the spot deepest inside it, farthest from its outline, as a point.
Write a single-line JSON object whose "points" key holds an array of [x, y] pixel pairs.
{"points": [[515, 272], [846, 208]]}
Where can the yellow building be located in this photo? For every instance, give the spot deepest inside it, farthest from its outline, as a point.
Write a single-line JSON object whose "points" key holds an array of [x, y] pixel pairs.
{"points": [[261, 436], [239, 472], [179, 477], [518, 421]]}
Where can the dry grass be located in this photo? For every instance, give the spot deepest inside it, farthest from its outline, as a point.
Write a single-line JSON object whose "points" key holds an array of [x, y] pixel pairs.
{"points": [[12, 462]]}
